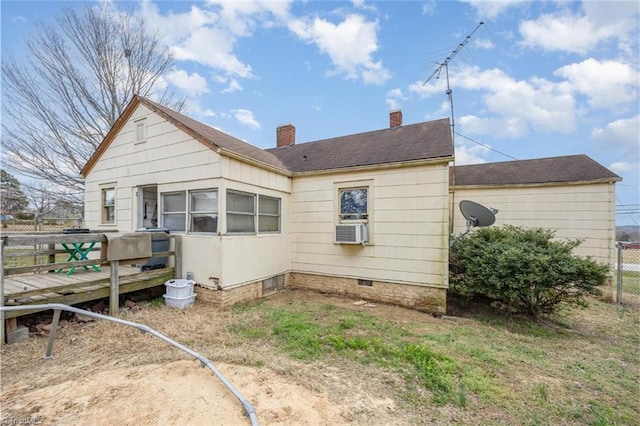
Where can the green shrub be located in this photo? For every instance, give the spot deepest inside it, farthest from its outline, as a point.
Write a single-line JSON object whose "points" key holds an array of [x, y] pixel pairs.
{"points": [[523, 268]]}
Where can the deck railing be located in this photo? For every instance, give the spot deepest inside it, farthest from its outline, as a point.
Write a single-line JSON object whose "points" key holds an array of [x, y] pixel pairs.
{"points": [[43, 252]]}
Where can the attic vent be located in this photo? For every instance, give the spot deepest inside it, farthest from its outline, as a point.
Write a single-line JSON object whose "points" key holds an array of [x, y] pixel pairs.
{"points": [[355, 233]]}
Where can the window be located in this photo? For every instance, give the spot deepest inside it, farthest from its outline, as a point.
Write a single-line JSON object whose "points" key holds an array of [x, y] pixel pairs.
{"points": [[108, 206], [353, 204], [141, 130], [203, 211], [268, 214], [241, 212], [174, 211]]}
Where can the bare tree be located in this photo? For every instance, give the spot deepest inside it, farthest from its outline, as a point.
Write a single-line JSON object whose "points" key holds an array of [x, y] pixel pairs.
{"points": [[41, 199], [81, 72]]}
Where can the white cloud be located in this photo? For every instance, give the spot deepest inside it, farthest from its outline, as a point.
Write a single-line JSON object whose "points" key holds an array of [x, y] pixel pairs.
{"points": [[470, 154], [242, 17], [581, 32], [350, 44], [429, 7], [513, 107], [233, 86], [508, 127], [483, 43], [212, 47], [488, 9], [194, 84], [623, 167], [360, 4], [207, 35], [607, 84], [394, 96], [623, 133], [19, 19], [246, 118]]}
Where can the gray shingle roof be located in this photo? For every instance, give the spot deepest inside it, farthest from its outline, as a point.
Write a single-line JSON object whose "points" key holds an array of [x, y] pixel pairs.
{"points": [[571, 168], [429, 140]]}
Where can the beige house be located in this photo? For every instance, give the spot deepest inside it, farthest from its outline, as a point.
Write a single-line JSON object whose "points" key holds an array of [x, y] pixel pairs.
{"points": [[365, 215], [572, 194]]}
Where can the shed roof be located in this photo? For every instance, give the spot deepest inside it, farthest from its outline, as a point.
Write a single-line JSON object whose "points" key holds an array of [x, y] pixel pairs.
{"points": [[566, 169], [422, 141]]}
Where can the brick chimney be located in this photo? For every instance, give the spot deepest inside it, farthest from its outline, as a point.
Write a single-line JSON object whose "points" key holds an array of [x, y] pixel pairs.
{"points": [[285, 135], [395, 118]]}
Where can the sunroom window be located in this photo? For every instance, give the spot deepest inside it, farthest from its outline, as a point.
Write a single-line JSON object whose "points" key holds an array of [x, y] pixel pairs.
{"points": [[241, 212], [174, 211], [268, 214], [203, 211]]}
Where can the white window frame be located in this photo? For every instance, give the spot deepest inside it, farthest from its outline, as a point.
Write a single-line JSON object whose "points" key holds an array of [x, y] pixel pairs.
{"points": [[104, 215], [278, 214], [164, 213], [367, 184], [240, 213], [141, 130], [192, 212], [343, 217]]}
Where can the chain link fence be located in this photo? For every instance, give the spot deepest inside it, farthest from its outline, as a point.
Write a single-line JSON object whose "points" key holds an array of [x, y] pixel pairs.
{"points": [[628, 274], [41, 254], [42, 225]]}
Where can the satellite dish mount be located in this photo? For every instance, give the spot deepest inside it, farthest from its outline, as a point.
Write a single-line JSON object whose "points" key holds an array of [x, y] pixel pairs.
{"points": [[476, 215]]}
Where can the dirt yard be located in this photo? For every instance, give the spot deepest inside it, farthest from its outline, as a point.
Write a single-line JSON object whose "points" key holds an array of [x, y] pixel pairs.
{"points": [[584, 369], [103, 373]]}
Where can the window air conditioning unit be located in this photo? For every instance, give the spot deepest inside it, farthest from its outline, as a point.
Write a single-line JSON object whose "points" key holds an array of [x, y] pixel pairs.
{"points": [[353, 233]]}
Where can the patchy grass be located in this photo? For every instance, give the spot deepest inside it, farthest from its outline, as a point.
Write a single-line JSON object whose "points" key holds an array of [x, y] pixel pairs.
{"points": [[572, 369], [580, 367]]}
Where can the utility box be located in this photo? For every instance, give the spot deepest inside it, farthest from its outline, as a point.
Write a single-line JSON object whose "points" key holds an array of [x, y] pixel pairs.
{"points": [[159, 243]]}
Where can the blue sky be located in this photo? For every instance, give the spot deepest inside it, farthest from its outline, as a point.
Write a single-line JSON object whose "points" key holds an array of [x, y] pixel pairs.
{"points": [[538, 79]]}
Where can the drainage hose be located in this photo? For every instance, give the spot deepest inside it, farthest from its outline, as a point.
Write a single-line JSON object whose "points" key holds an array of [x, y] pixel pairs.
{"points": [[204, 362]]}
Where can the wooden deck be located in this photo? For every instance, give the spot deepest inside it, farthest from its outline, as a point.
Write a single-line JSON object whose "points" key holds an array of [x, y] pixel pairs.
{"points": [[37, 283], [81, 286]]}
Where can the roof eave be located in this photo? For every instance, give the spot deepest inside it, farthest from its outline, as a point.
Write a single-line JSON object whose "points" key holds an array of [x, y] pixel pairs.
{"points": [[533, 184], [245, 159], [391, 165]]}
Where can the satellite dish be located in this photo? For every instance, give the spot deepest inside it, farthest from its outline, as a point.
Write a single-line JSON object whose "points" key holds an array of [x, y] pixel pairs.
{"points": [[476, 215]]}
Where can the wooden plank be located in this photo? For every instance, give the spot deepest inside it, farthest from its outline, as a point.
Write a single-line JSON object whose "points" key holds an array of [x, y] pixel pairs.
{"points": [[93, 291], [11, 325], [17, 253], [57, 289], [48, 266], [34, 239], [178, 256], [114, 294]]}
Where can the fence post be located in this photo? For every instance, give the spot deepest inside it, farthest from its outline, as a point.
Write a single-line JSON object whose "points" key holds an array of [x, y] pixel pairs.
{"points": [[177, 256], [2, 324], [114, 293], [620, 269]]}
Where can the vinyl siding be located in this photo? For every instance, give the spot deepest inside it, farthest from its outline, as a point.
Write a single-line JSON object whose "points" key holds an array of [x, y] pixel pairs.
{"points": [[408, 225], [174, 161], [584, 211]]}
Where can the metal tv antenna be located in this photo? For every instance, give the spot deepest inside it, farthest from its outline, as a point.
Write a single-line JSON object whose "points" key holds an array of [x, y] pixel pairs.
{"points": [[445, 64], [436, 74], [476, 215]]}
